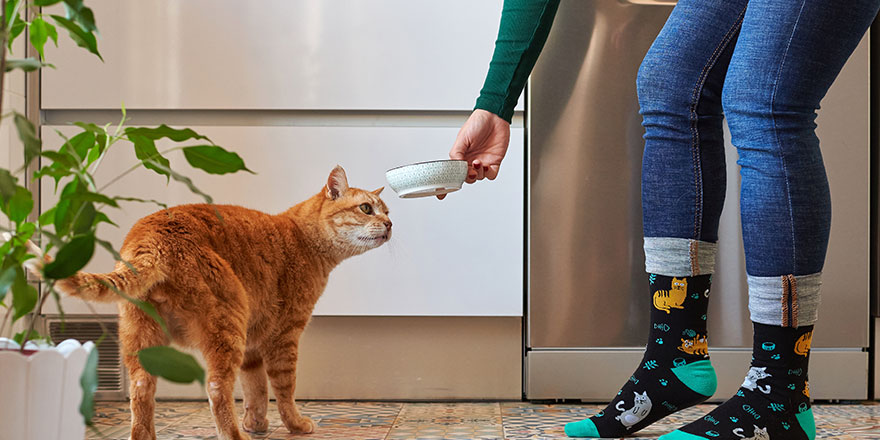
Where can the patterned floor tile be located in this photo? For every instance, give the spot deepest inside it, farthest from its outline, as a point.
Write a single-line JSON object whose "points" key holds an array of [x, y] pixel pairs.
{"points": [[113, 419], [448, 421], [434, 421]]}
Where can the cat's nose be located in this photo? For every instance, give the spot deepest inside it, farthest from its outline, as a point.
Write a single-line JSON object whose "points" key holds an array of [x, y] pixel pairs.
{"points": [[388, 224]]}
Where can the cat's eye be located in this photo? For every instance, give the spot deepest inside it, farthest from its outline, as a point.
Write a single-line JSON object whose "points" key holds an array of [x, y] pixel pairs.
{"points": [[367, 208]]}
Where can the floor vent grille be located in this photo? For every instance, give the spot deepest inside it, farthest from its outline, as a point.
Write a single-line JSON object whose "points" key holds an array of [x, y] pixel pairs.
{"points": [[111, 374]]}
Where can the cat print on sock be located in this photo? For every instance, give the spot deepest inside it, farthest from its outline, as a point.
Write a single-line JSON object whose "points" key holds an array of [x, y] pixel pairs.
{"points": [[671, 376], [759, 434], [641, 408]]}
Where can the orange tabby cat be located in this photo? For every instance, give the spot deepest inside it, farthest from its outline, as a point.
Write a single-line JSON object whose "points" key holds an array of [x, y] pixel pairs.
{"points": [[240, 289]]}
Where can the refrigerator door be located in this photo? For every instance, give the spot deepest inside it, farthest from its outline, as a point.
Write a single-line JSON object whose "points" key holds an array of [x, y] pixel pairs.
{"points": [[588, 301]]}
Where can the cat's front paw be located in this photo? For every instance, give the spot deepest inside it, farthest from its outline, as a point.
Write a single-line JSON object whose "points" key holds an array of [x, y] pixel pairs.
{"points": [[302, 425]]}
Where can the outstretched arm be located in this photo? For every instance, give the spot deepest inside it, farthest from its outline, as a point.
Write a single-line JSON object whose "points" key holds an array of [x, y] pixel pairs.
{"points": [[525, 25]]}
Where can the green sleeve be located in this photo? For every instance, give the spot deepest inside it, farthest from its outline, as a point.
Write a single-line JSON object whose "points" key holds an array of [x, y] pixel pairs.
{"points": [[521, 36]]}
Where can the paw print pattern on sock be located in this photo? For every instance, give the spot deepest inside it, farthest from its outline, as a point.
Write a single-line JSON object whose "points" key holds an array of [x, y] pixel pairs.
{"points": [[664, 382], [659, 341]]}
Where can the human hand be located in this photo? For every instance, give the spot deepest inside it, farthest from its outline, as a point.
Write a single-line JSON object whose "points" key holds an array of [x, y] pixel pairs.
{"points": [[482, 142]]}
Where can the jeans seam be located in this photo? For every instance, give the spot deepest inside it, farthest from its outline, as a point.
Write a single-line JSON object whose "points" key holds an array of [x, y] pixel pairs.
{"points": [[776, 136], [695, 138]]}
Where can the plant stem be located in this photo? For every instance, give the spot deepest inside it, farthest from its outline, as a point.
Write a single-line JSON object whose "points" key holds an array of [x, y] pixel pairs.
{"points": [[5, 33], [134, 167], [5, 318], [34, 314]]}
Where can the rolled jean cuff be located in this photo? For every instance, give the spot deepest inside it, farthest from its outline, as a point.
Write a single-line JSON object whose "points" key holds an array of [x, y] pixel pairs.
{"points": [[785, 300], [679, 257]]}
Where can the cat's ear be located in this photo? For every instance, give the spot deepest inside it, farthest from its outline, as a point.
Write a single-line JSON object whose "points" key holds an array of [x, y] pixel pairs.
{"points": [[378, 191], [337, 183]]}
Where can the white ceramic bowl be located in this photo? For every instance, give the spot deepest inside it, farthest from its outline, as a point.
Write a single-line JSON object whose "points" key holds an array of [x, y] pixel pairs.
{"points": [[425, 179]]}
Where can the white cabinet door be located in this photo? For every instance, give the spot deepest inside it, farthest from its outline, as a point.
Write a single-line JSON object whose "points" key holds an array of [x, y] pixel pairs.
{"points": [[278, 54], [461, 257]]}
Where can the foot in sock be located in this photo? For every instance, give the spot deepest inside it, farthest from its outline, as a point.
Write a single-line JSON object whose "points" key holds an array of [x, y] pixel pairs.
{"points": [[773, 402], [674, 373]]}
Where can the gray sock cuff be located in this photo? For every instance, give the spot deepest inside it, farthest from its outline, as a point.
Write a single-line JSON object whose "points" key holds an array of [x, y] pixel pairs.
{"points": [[679, 257], [785, 300]]}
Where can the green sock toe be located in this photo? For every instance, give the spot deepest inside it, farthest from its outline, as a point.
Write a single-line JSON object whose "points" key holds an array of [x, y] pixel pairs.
{"points": [[680, 435], [584, 428]]}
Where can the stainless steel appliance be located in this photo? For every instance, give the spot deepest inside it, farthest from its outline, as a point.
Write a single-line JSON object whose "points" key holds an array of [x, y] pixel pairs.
{"points": [[587, 294]]}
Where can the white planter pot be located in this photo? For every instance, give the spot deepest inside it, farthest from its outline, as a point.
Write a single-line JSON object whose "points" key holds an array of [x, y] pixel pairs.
{"points": [[40, 393]]}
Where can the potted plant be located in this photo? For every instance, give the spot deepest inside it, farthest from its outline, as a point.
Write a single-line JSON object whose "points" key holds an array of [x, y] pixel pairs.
{"points": [[48, 390]]}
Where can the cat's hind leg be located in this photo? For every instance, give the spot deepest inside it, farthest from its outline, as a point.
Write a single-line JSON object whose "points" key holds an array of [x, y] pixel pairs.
{"points": [[256, 393], [219, 328], [281, 368], [137, 331]]}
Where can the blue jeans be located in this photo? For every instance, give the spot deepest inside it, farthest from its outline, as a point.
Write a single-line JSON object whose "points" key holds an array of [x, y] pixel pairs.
{"points": [[766, 65]]}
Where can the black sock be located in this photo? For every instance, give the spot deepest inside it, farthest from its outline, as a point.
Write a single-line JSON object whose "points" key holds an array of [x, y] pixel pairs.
{"points": [[674, 373], [774, 401]]}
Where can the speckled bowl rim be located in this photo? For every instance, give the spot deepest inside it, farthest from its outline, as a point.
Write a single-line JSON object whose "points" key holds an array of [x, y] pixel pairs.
{"points": [[425, 162]]}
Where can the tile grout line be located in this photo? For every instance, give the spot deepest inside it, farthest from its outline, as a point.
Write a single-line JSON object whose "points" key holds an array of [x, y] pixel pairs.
{"points": [[394, 422]]}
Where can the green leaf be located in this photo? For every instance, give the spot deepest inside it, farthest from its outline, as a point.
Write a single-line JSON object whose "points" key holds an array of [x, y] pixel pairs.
{"points": [[213, 159], [67, 206], [61, 161], [72, 257], [48, 217], [16, 30], [80, 145], [7, 185], [28, 135], [19, 337], [135, 199], [85, 220], [25, 64], [171, 364], [77, 12], [81, 37], [183, 179], [20, 205], [7, 277], [88, 196], [39, 34], [177, 135], [89, 383], [46, 2], [24, 296], [11, 6], [145, 150], [102, 218]]}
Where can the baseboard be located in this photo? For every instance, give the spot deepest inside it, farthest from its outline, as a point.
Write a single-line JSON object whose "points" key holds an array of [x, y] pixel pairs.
{"points": [[402, 358]]}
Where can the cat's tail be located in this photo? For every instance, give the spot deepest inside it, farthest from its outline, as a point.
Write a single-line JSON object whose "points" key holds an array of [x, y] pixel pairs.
{"points": [[109, 287], [132, 279]]}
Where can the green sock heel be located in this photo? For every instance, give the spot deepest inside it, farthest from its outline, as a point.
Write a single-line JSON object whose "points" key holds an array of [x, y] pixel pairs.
{"points": [[699, 376]]}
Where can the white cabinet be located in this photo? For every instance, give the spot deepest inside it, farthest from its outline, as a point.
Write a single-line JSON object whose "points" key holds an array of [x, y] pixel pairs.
{"points": [[459, 257], [278, 54]]}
